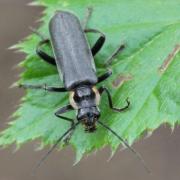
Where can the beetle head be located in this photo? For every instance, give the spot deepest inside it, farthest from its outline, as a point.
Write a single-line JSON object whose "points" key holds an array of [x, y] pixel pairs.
{"points": [[86, 100], [89, 116]]}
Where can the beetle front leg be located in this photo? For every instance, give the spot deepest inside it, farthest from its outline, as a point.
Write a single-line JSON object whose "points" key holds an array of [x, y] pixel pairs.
{"points": [[64, 110], [104, 89], [43, 87]]}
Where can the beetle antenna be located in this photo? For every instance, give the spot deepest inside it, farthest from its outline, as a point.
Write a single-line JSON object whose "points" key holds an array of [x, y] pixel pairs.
{"points": [[53, 147], [138, 156]]}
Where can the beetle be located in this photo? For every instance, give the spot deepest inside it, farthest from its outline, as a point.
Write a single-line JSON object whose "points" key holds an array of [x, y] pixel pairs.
{"points": [[75, 63]]}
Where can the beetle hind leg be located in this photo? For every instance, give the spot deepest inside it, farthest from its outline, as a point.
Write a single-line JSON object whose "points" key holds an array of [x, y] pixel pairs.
{"points": [[43, 55], [88, 15], [114, 55], [38, 33]]}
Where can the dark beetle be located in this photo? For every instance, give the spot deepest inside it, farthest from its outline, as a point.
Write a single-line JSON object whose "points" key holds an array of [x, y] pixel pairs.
{"points": [[75, 63]]}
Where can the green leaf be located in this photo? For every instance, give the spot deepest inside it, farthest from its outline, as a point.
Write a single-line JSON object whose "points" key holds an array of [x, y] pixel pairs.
{"points": [[148, 72]]}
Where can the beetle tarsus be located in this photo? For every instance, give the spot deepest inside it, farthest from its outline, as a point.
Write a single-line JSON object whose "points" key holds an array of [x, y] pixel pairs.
{"points": [[88, 15], [104, 89], [37, 33]]}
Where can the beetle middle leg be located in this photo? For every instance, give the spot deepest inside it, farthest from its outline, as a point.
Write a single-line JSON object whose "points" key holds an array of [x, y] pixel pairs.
{"points": [[64, 110], [104, 76], [43, 87], [104, 89]]}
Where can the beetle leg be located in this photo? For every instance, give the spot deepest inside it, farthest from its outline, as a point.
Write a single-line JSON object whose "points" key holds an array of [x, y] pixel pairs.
{"points": [[104, 76], [104, 89], [64, 110], [114, 55], [43, 55], [99, 43], [89, 11], [37, 33], [44, 87]]}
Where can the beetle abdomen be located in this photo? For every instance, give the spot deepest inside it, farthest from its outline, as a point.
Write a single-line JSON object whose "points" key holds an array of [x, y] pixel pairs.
{"points": [[72, 51]]}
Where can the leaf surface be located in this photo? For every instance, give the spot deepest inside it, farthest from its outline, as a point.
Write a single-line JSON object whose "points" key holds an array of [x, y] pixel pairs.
{"points": [[148, 72]]}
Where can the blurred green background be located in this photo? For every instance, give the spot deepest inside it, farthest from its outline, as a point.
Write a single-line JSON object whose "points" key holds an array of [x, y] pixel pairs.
{"points": [[161, 150]]}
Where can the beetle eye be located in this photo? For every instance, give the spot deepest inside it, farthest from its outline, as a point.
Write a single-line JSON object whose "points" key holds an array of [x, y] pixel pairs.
{"points": [[92, 95], [76, 98]]}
